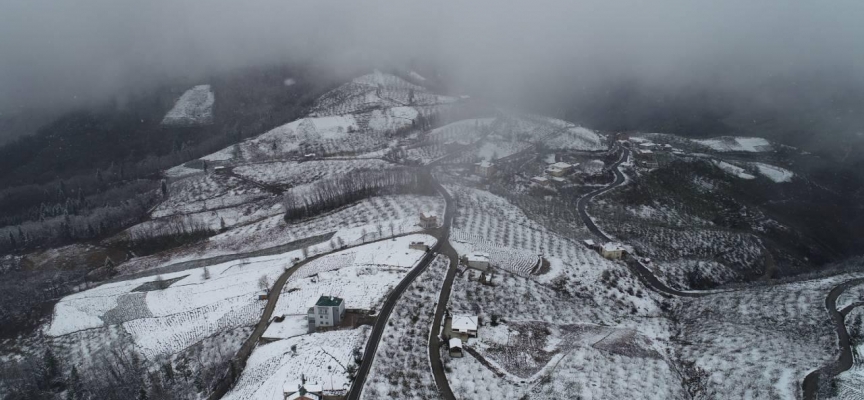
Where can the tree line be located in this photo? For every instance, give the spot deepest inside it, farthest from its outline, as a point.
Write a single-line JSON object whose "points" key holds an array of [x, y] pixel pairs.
{"points": [[355, 186]]}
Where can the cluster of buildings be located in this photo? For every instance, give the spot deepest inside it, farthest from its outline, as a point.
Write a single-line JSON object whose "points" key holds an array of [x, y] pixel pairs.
{"points": [[555, 174], [649, 154], [462, 328]]}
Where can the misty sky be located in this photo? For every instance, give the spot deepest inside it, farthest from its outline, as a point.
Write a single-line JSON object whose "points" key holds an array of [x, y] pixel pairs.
{"points": [[53, 52]]}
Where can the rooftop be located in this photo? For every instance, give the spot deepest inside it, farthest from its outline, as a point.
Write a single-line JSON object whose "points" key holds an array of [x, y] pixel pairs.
{"points": [[328, 301], [292, 387], [455, 342], [559, 165], [539, 179], [464, 323], [484, 164], [477, 256], [428, 214], [613, 246]]}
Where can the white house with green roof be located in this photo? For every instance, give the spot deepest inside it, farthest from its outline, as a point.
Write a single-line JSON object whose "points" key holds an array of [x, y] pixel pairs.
{"points": [[327, 312]]}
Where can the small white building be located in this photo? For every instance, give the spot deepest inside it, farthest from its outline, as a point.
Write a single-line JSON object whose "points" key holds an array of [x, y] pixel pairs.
{"points": [[541, 181], [590, 244], [464, 327], [559, 169], [484, 168], [613, 250], [428, 220], [477, 260], [327, 312], [456, 348]]}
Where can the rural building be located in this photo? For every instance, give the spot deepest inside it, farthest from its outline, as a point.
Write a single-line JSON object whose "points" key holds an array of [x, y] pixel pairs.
{"points": [[302, 391], [646, 159], [455, 348], [558, 181], [477, 260], [484, 168], [559, 169], [647, 145], [326, 313], [591, 244], [418, 246], [428, 220], [263, 295], [542, 181], [464, 327], [613, 250]]}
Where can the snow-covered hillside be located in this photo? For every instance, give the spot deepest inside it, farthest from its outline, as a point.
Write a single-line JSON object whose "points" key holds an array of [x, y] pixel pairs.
{"points": [[194, 107], [740, 144]]}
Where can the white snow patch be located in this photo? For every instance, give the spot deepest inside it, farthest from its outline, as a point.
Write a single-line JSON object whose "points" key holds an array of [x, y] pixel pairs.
{"points": [[733, 169], [194, 107], [774, 173], [728, 143]]}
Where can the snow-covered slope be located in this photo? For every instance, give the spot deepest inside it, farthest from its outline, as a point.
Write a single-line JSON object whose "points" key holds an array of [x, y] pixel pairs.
{"points": [[194, 107], [742, 144]]}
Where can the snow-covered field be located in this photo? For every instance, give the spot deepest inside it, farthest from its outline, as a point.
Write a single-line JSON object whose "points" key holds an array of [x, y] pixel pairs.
{"points": [[850, 384], [162, 322], [743, 144], [757, 343], [194, 107], [544, 345], [774, 173], [401, 366], [361, 275], [350, 224], [733, 170], [322, 358], [292, 173]]}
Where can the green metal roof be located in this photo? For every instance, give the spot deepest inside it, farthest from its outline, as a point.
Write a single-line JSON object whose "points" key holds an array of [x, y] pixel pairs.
{"points": [[328, 301]]}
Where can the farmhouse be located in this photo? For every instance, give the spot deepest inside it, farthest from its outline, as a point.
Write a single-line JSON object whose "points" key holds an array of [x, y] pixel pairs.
{"points": [[613, 250], [559, 169], [326, 313], [455, 348], [542, 181], [646, 159], [418, 246], [477, 260], [301, 391], [428, 220], [484, 168], [464, 327]]}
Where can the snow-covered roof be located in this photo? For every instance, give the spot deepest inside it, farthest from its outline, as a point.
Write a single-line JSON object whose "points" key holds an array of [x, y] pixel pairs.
{"points": [[560, 165], [484, 164], [307, 395], [613, 246], [647, 145], [539, 179], [559, 180], [464, 323], [294, 387], [428, 214], [455, 342], [589, 242]]}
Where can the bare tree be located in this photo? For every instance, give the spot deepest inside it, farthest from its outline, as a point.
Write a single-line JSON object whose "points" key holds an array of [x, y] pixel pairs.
{"points": [[206, 273], [264, 283]]}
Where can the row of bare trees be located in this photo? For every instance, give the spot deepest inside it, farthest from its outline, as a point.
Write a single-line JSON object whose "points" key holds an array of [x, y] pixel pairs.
{"points": [[332, 194]]}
